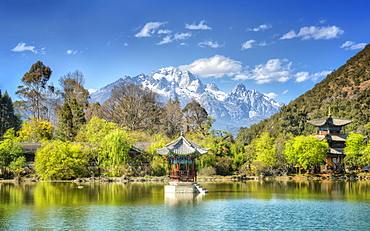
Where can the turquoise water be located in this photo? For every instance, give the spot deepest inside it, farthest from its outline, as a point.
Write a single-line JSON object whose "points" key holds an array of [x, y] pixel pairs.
{"points": [[252, 205]]}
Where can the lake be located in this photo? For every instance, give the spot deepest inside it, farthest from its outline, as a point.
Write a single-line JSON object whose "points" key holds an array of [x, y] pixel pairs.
{"points": [[250, 205]]}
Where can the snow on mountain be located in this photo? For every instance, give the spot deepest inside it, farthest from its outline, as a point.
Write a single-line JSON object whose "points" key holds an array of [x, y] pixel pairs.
{"points": [[240, 107]]}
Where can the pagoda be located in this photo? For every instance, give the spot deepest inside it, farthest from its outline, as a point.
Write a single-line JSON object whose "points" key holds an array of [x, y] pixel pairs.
{"points": [[182, 154], [332, 129]]}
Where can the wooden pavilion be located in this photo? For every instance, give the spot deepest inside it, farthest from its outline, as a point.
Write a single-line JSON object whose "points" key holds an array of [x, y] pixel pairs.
{"points": [[182, 154], [333, 130]]}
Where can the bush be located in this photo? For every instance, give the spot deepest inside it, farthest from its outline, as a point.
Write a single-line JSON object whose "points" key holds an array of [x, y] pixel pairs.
{"points": [[207, 171]]}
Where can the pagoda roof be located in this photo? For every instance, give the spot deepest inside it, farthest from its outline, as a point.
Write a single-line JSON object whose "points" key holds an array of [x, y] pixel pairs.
{"points": [[341, 137], [182, 146], [336, 151], [329, 121]]}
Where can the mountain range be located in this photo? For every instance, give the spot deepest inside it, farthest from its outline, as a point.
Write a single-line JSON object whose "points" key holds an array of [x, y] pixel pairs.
{"points": [[238, 108]]}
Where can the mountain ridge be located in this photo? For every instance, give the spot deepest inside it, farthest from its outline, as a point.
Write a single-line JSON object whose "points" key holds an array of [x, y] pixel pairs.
{"points": [[344, 93], [237, 108]]}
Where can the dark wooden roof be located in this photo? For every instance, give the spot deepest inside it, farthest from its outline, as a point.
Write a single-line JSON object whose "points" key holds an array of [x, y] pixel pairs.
{"points": [[30, 148], [141, 146], [182, 146], [329, 121]]}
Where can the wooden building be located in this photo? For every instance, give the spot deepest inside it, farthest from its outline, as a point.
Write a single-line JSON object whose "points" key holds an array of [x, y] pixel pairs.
{"points": [[333, 130], [29, 150], [182, 154]]}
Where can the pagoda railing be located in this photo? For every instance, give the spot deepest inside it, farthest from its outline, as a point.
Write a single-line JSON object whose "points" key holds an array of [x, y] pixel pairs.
{"points": [[182, 175]]}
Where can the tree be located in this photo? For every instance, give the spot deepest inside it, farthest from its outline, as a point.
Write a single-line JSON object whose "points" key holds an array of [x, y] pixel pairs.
{"points": [[34, 92], [7, 117], [10, 150], [264, 153], [58, 160], [172, 120], [95, 131], [114, 156], [93, 109], [71, 119], [36, 131], [306, 151], [133, 107], [158, 163], [73, 88], [196, 118], [279, 146], [17, 165], [355, 150]]}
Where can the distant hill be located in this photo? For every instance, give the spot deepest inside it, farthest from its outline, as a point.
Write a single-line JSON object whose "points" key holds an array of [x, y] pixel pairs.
{"points": [[345, 92]]}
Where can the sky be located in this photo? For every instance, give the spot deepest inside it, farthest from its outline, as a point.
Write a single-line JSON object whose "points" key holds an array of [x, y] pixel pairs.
{"points": [[280, 48]]}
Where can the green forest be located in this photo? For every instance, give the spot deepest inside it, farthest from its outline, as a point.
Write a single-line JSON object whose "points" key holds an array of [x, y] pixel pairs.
{"points": [[83, 139]]}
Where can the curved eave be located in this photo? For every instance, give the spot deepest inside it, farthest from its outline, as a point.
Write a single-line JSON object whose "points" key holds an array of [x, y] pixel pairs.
{"points": [[165, 151], [182, 146], [330, 121]]}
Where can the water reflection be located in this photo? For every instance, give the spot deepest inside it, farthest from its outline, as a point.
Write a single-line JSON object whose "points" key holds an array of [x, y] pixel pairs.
{"points": [[178, 199], [236, 205]]}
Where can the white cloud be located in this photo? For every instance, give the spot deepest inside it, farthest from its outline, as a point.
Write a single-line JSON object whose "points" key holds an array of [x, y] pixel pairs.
{"points": [[284, 92], [315, 33], [71, 52], [261, 27], [349, 45], [209, 43], [165, 40], [164, 31], [149, 29], [248, 44], [182, 36], [291, 34], [271, 95], [22, 47], [303, 76], [275, 70], [176, 37], [200, 26], [217, 66]]}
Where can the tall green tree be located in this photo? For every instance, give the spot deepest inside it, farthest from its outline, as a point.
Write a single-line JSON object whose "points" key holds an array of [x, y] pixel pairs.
{"points": [[10, 150], [263, 152], [355, 150], [95, 131], [7, 117], [58, 160], [35, 92], [306, 151], [93, 134], [71, 119], [114, 156]]}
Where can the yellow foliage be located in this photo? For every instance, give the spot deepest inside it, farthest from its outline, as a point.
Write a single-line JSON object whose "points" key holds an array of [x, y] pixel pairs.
{"points": [[36, 131]]}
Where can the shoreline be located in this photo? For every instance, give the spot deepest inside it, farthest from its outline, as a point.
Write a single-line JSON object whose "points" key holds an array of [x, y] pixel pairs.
{"points": [[351, 177]]}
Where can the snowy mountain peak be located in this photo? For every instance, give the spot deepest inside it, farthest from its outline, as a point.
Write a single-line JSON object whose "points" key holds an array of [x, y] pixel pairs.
{"points": [[212, 87], [238, 89], [239, 107]]}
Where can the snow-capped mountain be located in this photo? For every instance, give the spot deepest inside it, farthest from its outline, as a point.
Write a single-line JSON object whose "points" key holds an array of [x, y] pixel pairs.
{"points": [[240, 107]]}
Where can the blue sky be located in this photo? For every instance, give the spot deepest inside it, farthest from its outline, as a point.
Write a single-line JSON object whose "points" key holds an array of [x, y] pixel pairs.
{"points": [[280, 48]]}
